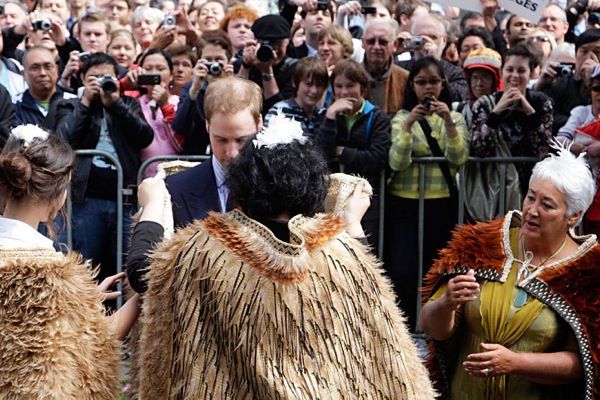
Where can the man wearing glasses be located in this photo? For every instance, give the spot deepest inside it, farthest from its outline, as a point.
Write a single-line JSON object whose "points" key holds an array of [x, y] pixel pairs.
{"points": [[387, 80], [41, 74]]}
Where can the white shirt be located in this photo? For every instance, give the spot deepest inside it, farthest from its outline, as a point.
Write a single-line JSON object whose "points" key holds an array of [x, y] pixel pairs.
{"points": [[222, 189], [580, 116], [16, 234]]}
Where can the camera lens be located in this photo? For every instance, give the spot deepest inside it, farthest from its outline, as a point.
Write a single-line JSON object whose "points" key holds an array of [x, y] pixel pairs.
{"points": [[214, 68], [264, 52], [108, 84]]}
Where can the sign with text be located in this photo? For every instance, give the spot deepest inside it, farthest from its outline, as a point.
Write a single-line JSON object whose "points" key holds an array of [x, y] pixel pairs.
{"points": [[528, 9]]}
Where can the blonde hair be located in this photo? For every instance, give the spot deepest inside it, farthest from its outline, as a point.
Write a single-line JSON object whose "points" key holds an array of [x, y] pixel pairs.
{"points": [[232, 95], [336, 32]]}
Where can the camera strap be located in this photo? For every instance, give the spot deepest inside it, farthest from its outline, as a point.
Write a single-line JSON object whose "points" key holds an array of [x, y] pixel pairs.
{"points": [[437, 152]]}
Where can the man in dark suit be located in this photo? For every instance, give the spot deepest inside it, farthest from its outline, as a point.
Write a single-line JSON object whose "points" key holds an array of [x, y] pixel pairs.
{"points": [[233, 116]]}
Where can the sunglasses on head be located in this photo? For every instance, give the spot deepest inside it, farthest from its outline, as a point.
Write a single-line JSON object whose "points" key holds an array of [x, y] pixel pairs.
{"points": [[542, 38]]}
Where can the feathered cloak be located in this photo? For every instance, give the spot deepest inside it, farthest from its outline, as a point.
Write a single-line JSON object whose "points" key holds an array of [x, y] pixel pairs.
{"points": [[231, 312], [55, 342], [571, 289]]}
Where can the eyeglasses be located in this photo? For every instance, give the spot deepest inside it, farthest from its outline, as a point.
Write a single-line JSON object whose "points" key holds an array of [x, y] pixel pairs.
{"points": [[595, 89], [432, 82], [381, 41]]}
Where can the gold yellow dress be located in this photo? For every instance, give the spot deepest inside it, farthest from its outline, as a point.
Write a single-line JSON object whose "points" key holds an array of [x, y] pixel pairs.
{"points": [[494, 318]]}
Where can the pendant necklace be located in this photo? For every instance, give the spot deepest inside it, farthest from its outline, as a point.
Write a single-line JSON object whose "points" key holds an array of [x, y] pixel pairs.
{"points": [[528, 268]]}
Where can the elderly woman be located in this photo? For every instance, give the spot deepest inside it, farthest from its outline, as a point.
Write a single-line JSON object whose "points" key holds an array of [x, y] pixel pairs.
{"points": [[516, 301], [482, 70], [57, 342], [145, 23], [256, 303]]}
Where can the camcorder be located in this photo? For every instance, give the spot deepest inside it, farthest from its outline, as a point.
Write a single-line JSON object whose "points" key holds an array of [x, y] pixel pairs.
{"points": [[108, 83], [42, 25], [214, 68]]}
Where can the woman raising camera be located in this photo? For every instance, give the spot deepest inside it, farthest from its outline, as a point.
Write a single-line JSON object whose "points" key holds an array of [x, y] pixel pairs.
{"points": [[424, 128]]}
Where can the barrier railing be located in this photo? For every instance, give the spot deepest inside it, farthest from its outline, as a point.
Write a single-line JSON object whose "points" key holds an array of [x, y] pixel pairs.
{"points": [[422, 162], [120, 193]]}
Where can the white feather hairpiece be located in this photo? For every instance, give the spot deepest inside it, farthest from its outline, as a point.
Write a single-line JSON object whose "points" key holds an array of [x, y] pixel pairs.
{"points": [[281, 130], [27, 133], [563, 152]]}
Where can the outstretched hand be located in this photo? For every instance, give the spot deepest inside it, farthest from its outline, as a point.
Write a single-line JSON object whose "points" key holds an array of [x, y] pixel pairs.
{"points": [[105, 286]]}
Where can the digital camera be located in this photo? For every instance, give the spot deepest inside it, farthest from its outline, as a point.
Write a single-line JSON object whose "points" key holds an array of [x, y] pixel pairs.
{"points": [[564, 69], [169, 21], [415, 43], [42, 25], [108, 83], [214, 68], [265, 51]]}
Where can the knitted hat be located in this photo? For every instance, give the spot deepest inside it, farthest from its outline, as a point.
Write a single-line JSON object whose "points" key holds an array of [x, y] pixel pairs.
{"points": [[487, 59], [271, 27]]}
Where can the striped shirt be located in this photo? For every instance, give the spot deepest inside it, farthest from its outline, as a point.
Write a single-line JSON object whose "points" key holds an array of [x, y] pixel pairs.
{"points": [[405, 177], [291, 109]]}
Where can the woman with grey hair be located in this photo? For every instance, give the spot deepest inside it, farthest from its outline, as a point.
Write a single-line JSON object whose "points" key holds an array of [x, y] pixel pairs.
{"points": [[512, 305], [145, 23]]}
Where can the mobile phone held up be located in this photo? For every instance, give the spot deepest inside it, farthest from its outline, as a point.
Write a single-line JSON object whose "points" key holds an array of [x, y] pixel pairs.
{"points": [[368, 10], [148, 79]]}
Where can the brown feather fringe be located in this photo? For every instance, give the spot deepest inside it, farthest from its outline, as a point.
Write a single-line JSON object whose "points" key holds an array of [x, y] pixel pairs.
{"points": [[217, 326], [55, 342]]}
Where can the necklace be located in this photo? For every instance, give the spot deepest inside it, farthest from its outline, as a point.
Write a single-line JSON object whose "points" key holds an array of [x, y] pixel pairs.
{"points": [[528, 268]]}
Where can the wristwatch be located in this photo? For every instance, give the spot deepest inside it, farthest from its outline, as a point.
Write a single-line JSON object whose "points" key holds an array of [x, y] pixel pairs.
{"points": [[267, 77]]}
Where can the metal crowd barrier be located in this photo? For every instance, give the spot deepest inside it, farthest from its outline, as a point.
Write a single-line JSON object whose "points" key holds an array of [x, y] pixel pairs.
{"points": [[422, 162], [120, 193]]}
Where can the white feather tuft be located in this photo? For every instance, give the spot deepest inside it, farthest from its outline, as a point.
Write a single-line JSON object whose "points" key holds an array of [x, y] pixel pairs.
{"points": [[281, 130], [27, 133]]}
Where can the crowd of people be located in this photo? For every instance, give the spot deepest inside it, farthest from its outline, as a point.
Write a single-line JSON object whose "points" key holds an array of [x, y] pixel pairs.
{"points": [[371, 87]]}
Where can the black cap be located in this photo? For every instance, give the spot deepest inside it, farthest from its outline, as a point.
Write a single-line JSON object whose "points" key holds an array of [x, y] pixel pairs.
{"points": [[588, 36], [271, 27]]}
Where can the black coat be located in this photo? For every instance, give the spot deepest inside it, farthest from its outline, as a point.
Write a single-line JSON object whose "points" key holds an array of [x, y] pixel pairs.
{"points": [[7, 115], [127, 127], [365, 150]]}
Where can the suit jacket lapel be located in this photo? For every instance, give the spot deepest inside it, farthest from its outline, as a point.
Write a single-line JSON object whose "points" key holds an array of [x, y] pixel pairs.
{"points": [[204, 197]]}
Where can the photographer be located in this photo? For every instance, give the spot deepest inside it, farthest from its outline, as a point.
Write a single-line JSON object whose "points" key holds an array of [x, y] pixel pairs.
{"points": [[158, 105], [567, 86], [104, 120], [214, 50], [266, 63]]}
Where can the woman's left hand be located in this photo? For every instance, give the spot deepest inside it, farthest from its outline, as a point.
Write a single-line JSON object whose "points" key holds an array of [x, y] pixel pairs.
{"points": [[107, 283], [495, 360], [440, 108]]}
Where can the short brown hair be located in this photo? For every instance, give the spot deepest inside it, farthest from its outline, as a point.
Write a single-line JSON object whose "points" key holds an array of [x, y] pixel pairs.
{"points": [[217, 37], [239, 11], [336, 32], [176, 49], [310, 68], [92, 17], [232, 95], [352, 71]]}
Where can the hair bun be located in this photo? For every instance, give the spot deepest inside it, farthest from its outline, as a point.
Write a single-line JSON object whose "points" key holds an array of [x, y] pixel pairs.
{"points": [[16, 170]]}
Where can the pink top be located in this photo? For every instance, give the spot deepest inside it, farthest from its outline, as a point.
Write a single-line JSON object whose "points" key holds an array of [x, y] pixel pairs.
{"points": [[164, 142]]}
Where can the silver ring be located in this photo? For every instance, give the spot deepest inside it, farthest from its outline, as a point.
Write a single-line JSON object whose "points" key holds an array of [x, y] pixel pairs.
{"points": [[486, 371]]}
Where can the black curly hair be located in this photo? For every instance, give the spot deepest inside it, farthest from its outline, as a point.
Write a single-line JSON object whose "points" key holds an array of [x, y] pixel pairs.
{"points": [[288, 179]]}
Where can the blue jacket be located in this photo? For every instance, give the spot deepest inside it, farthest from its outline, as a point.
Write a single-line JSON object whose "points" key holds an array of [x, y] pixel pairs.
{"points": [[28, 112]]}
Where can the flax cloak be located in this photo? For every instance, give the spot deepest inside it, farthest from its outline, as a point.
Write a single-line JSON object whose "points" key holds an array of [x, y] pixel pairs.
{"points": [[231, 312], [571, 288], [55, 341]]}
